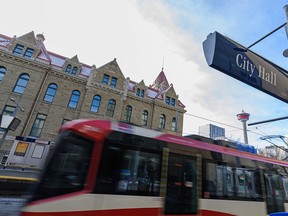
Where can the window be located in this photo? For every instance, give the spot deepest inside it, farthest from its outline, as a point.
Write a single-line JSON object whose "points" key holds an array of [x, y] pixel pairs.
{"points": [[21, 83], [128, 113], [95, 104], [18, 49], [2, 73], [74, 99], [105, 79], [113, 82], [138, 92], [144, 118], [50, 92], [74, 71], [68, 68], [174, 128], [111, 108], [9, 110], [162, 121], [142, 93], [28, 53], [172, 102], [168, 100], [67, 172], [134, 167], [38, 125]]}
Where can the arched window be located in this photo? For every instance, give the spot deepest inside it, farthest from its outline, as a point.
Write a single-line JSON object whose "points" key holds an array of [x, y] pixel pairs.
{"points": [[50, 92], [138, 92], [21, 83], [162, 121], [68, 68], [142, 93], [174, 125], [2, 73], [128, 113], [95, 104], [144, 118], [74, 71], [111, 108], [74, 99]]}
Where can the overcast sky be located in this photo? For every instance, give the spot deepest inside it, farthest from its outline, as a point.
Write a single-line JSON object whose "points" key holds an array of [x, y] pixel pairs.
{"points": [[145, 36]]}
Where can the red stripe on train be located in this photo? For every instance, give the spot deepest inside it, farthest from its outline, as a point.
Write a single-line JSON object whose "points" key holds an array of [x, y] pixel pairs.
{"points": [[118, 212]]}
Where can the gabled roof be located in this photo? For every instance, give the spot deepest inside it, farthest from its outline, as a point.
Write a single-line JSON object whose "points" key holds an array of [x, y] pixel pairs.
{"points": [[157, 90]]}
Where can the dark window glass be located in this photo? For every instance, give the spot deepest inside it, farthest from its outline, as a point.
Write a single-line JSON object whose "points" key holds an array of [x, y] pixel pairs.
{"points": [[138, 92], [18, 49], [67, 172], [21, 83], [113, 82], [95, 103], [142, 93], [28, 53], [172, 102], [181, 185], [174, 124], [162, 121], [128, 113], [111, 108], [105, 79], [144, 119], [74, 99], [167, 100], [50, 93], [68, 68], [134, 166], [74, 71], [38, 125], [2, 73], [9, 110]]}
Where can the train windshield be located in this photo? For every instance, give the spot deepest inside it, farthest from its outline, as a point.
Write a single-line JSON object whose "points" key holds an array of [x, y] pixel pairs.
{"points": [[66, 171]]}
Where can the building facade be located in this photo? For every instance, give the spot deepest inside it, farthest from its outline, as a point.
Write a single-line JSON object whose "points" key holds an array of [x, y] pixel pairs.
{"points": [[53, 89], [211, 131]]}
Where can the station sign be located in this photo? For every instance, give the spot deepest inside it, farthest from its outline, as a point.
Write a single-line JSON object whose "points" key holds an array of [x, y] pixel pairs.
{"points": [[235, 60]]}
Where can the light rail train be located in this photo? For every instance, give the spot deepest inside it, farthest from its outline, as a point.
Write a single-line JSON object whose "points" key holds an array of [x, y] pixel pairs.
{"points": [[101, 167]]}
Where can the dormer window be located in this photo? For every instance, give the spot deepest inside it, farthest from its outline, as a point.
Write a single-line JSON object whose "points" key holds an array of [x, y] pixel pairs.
{"points": [[172, 102], [18, 49], [68, 69], [28, 53], [142, 93], [113, 82], [74, 71], [105, 79], [138, 92], [168, 100]]}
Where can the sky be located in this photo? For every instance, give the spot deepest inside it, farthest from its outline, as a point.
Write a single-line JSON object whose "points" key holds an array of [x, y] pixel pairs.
{"points": [[146, 36]]}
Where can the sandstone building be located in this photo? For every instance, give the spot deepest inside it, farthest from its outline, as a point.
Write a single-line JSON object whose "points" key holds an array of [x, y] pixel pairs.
{"points": [[53, 89]]}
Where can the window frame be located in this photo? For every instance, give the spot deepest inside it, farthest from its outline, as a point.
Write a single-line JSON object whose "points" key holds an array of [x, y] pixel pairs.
{"points": [[128, 113], [50, 92], [111, 108], [3, 72], [21, 83], [95, 105], [38, 125], [74, 99], [28, 53]]}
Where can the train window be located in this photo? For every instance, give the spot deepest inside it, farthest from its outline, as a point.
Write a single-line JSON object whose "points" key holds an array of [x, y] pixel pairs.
{"points": [[131, 171], [222, 181], [68, 167], [285, 185]]}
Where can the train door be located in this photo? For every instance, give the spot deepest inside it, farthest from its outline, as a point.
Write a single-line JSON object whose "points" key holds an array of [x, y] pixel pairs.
{"points": [[181, 185], [274, 195]]}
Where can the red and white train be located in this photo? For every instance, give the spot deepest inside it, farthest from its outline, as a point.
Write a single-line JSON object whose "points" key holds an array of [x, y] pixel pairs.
{"points": [[102, 168]]}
